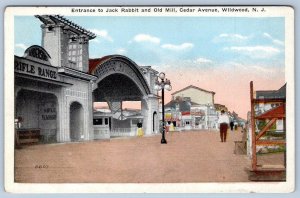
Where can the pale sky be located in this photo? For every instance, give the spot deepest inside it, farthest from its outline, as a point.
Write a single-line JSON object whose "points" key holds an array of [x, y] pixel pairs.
{"points": [[220, 54]]}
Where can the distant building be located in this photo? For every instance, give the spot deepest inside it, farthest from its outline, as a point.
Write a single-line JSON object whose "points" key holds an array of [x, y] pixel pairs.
{"points": [[107, 124], [196, 94], [205, 116], [233, 116], [269, 94], [263, 107], [220, 107], [192, 108], [178, 112]]}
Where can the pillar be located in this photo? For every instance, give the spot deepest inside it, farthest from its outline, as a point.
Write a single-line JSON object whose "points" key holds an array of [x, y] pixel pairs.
{"points": [[149, 106], [90, 112], [62, 134]]}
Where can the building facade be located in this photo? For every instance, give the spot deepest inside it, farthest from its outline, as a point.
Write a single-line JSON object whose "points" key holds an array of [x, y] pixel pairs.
{"points": [[262, 108], [56, 84], [195, 107], [196, 94]]}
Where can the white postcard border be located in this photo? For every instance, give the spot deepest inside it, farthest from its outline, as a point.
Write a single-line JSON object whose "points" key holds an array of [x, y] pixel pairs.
{"points": [[241, 187]]}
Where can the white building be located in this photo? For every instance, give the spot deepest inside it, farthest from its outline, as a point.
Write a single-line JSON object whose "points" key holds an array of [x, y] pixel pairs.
{"points": [[196, 94], [56, 85], [108, 125], [196, 107], [205, 117], [53, 89]]}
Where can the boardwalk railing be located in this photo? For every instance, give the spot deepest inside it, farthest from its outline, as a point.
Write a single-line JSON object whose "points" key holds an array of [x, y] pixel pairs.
{"points": [[101, 132], [121, 132]]}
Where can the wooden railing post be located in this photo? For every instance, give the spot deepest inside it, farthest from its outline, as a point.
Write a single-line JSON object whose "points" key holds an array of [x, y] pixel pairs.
{"points": [[253, 136]]}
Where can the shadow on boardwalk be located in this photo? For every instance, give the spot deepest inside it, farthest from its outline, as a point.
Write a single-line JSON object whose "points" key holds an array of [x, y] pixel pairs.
{"points": [[196, 156]]}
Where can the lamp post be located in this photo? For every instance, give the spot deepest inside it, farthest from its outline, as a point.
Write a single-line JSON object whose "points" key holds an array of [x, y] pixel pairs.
{"points": [[162, 85]]}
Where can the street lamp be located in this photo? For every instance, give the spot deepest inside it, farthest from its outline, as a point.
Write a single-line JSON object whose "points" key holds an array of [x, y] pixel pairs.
{"points": [[162, 85]]}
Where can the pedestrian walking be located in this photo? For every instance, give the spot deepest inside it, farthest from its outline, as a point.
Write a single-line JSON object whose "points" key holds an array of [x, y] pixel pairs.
{"points": [[223, 125], [231, 125]]}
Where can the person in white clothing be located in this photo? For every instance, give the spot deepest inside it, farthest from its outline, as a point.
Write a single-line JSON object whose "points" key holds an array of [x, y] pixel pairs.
{"points": [[223, 125]]}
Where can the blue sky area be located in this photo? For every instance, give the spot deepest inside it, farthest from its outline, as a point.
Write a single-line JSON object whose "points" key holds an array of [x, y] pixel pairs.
{"points": [[160, 41], [220, 54]]}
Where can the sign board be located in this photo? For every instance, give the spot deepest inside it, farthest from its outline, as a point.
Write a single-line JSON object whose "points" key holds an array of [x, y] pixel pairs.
{"points": [[31, 68], [197, 112]]}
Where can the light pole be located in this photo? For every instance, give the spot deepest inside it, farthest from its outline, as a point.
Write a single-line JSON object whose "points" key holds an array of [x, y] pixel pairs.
{"points": [[162, 85]]}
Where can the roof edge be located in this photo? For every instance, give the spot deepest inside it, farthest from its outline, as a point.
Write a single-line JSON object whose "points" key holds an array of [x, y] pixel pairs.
{"points": [[195, 87]]}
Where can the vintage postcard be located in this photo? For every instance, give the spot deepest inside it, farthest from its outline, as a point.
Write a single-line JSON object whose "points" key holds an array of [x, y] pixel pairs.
{"points": [[170, 99]]}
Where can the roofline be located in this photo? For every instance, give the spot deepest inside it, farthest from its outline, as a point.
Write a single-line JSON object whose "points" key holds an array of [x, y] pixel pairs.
{"points": [[264, 91], [192, 86], [271, 90], [69, 23], [134, 66]]}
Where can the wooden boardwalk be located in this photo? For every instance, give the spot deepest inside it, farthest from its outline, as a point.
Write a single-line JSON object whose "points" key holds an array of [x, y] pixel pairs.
{"points": [[196, 156]]}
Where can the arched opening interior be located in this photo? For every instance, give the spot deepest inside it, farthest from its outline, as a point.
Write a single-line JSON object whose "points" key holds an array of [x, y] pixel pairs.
{"points": [[117, 87], [123, 97], [76, 121], [37, 112]]}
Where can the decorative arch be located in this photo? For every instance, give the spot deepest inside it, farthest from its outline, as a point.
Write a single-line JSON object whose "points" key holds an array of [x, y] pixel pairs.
{"points": [[37, 53], [76, 121], [117, 64]]}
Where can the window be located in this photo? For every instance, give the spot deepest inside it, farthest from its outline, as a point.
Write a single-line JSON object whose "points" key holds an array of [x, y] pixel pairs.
{"points": [[75, 54], [97, 121], [106, 121], [134, 122]]}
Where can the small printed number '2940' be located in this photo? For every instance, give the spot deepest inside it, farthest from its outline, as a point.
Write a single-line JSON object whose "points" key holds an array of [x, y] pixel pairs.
{"points": [[41, 166]]}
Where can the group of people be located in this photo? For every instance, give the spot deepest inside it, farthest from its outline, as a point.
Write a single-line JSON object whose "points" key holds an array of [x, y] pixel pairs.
{"points": [[223, 122], [168, 128]]}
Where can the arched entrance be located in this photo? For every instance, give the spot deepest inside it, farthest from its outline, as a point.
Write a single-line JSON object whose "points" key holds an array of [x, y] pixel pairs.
{"points": [[37, 112], [120, 80], [76, 121], [116, 64]]}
